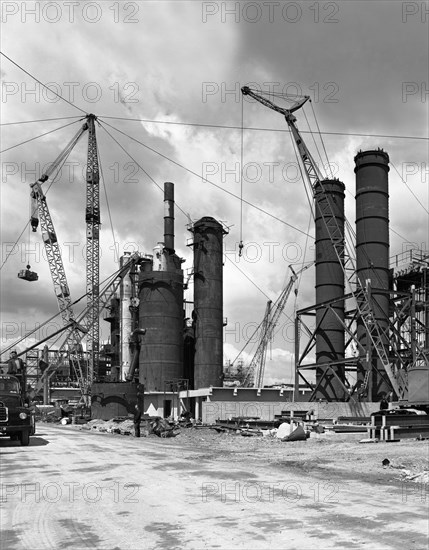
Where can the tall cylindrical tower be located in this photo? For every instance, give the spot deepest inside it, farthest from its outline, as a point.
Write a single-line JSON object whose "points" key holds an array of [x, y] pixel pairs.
{"points": [[125, 321], [161, 309], [169, 216], [161, 314], [329, 202], [208, 302], [372, 258], [112, 316]]}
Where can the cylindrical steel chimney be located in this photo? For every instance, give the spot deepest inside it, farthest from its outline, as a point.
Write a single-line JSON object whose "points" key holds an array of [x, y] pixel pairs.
{"points": [[169, 216], [208, 302], [372, 258], [161, 314], [161, 309], [329, 202], [125, 319]]}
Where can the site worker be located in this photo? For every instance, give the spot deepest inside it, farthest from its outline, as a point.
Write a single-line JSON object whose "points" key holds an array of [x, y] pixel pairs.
{"points": [[16, 367], [384, 403], [137, 419]]}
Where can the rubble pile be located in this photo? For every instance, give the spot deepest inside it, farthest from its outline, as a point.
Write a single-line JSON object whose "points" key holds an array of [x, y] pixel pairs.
{"points": [[286, 431], [125, 426], [162, 428], [118, 425], [410, 471]]}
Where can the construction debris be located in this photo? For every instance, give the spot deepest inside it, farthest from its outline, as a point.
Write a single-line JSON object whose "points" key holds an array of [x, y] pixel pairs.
{"points": [[162, 428], [119, 425], [421, 477], [251, 433], [298, 434], [285, 429]]}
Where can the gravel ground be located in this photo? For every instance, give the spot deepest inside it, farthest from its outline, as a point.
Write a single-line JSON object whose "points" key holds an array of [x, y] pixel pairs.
{"points": [[335, 454], [207, 490]]}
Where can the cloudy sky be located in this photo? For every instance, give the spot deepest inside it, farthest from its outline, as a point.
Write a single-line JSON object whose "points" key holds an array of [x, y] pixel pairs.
{"points": [[364, 65]]}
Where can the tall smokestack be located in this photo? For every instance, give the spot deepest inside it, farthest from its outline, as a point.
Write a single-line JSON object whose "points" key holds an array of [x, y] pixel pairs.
{"points": [[161, 309], [372, 253], [208, 302], [329, 199], [169, 216]]}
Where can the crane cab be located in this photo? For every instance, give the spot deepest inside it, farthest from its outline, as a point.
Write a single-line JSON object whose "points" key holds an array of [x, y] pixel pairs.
{"points": [[27, 274]]}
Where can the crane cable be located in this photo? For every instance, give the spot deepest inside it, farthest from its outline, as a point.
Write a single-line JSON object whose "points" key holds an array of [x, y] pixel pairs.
{"points": [[248, 342], [32, 212], [321, 139], [264, 129], [348, 230], [409, 188], [349, 235], [27, 252], [298, 159], [39, 136], [107, 201], [139, 165], [39, 120], [229, 127], [240, 246], [314, 141], [298, 283], [110, 281], [41, 83], [197, 175]]}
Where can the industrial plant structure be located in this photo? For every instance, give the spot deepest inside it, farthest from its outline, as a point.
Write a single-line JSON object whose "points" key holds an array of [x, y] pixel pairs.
{"points": [[167, 353], [365, 338], [347, 364]]}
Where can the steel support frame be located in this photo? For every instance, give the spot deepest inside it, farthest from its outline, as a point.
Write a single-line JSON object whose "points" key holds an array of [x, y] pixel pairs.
{"points": [[404, 352]]}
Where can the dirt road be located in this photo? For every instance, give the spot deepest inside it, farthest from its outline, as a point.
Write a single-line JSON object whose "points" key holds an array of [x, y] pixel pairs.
{"points": [[73, 489]]}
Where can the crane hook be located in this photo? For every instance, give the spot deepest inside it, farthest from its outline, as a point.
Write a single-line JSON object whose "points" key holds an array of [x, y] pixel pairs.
{"points": [[240, 249]]}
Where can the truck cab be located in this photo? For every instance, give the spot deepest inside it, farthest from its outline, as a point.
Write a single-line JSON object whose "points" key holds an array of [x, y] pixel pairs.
{"points": [[16, 417]]}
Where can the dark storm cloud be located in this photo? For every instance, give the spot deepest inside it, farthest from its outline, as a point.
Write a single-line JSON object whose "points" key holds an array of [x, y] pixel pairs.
{"points": [[180, 68]]}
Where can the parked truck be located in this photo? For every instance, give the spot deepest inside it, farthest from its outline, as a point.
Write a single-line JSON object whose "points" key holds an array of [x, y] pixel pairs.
{"points": [[16, 417]]}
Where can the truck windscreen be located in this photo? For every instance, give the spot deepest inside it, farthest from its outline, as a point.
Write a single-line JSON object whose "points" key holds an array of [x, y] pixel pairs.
{"points": [[9, 386]]}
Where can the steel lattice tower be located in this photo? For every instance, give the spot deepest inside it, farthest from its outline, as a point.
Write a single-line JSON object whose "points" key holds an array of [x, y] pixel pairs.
{"points": [[92, 218]]}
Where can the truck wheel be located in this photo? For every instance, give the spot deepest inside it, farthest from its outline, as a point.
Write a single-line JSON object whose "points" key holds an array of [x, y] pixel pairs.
{"points": [[25, 438]]}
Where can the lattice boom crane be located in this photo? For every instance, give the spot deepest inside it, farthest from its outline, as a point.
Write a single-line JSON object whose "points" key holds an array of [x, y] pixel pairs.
{"points": [[271, 318], [40, 211], [93, 220], [343, 250]]}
